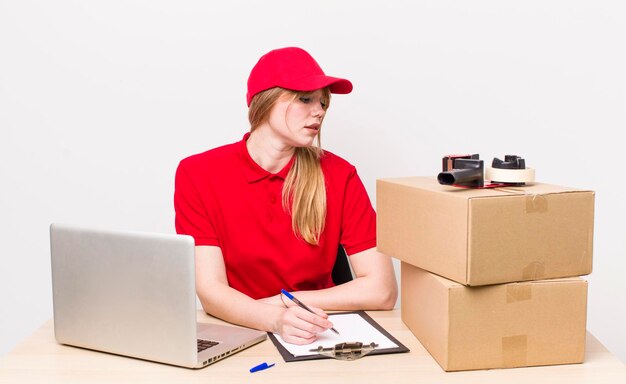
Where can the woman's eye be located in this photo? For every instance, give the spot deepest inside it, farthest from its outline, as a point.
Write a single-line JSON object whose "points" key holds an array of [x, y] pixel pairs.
{"points": [[305, 100]]}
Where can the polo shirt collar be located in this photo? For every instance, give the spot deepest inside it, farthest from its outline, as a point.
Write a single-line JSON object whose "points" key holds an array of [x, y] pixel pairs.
{"points": [[253, 171]]}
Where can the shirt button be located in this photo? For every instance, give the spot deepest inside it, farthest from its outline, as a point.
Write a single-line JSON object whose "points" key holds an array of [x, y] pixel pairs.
{"points": [[272, 199]]}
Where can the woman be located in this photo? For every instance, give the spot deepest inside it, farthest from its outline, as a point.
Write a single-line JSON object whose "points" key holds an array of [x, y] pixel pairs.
{"points": [[270, 211]]}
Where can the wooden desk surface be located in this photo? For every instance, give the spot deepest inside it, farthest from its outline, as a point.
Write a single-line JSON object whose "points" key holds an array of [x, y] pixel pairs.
{"points": [[39, 359]]}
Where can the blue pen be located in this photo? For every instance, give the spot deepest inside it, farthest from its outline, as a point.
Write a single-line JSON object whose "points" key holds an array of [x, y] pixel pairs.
{"points": [[302, 305], [261, 367]]}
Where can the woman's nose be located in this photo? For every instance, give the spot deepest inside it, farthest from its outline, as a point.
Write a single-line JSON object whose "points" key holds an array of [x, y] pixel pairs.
{"points": [[318, 111]]}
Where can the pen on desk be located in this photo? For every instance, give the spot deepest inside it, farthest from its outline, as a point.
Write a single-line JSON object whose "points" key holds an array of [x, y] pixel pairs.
{"points": [[302, 305], [261, 367]]}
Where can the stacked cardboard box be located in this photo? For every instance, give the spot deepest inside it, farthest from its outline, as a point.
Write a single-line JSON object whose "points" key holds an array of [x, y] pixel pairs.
{"points": [[489, 276]]}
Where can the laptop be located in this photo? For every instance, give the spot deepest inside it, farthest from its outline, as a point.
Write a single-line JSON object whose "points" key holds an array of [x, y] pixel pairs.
{"points": [[133, 294]]}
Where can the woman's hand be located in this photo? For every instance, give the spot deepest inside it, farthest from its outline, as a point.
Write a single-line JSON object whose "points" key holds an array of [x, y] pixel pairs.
{"points": [[298, 326]]}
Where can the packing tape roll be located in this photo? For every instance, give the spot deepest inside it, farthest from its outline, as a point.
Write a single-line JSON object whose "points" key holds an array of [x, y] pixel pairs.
{"points": [[510, 175]]}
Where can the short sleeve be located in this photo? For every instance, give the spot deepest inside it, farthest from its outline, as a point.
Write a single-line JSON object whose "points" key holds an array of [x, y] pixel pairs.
{"points": [[192, 217], [358, 230]]}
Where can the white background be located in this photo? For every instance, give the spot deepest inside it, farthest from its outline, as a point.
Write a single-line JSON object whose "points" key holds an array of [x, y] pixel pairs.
{"points": [[99, 100]]}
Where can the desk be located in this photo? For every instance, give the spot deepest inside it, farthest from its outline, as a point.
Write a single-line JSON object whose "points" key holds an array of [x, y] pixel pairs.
{"points": [[39, 359]]}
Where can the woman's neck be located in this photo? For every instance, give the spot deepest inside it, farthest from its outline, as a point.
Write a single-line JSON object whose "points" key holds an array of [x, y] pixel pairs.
{"points": [[269, 152]]}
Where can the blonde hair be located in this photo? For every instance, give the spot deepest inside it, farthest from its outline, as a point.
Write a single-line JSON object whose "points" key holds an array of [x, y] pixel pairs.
{"points": [[304, 191]]}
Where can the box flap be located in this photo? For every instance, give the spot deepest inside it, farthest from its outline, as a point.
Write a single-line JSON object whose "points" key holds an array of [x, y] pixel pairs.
{"points": [[517, 324], [430, 321], [409, 218], [431, 183], [530, 237]]}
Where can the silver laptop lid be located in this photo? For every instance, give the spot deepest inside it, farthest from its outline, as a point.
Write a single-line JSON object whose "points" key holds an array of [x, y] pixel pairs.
{"points": [[127, 293]]}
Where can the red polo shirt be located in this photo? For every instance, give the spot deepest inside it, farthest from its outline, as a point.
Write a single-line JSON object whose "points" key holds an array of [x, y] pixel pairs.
{"points": [[223, 198]]}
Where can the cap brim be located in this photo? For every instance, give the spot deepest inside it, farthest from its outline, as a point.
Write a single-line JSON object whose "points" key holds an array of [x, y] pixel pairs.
{"points": [[312, 83]]}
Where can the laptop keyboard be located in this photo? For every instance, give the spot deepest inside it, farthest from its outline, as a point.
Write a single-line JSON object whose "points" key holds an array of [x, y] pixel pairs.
{"points": [[206, 344]]}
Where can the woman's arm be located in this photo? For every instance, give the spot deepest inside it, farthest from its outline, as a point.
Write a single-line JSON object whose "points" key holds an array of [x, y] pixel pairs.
{"points": [[373, 288], [294, 324]]}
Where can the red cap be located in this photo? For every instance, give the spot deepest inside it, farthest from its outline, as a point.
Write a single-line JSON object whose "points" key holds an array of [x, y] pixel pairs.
{"points": [[292, 68]]}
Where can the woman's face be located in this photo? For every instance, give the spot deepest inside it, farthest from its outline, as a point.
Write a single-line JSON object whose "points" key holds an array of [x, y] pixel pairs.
{"points": [[298, 121]]}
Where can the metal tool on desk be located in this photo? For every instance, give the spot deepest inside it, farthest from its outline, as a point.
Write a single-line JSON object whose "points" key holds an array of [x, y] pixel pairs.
{"points": [[346, 351]]}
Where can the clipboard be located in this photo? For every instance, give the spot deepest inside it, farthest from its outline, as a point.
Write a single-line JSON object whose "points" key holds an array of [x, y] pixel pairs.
{"points": [[384, 349]]}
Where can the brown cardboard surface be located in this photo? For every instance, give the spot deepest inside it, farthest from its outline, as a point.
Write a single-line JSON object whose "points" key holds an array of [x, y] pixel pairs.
{"points": [[498, 326], [486, 236]]}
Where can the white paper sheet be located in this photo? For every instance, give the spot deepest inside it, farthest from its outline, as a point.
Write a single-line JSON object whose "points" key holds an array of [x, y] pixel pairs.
{"points": [[351, 327]]}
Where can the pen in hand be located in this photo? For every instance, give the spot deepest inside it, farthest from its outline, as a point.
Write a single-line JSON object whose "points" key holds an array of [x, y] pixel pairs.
{"points": [[302, 305]]}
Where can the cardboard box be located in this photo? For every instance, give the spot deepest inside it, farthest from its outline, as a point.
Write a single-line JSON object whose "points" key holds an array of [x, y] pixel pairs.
{"points": [[497, 326], [486, 236]]}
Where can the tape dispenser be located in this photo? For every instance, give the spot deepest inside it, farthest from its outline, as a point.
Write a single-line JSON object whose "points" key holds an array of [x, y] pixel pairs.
{"points": [[468, 171]]}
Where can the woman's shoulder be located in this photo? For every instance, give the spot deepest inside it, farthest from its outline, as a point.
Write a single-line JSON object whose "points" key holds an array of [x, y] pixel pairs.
{"points": [[212, 156], [336, 164]]}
